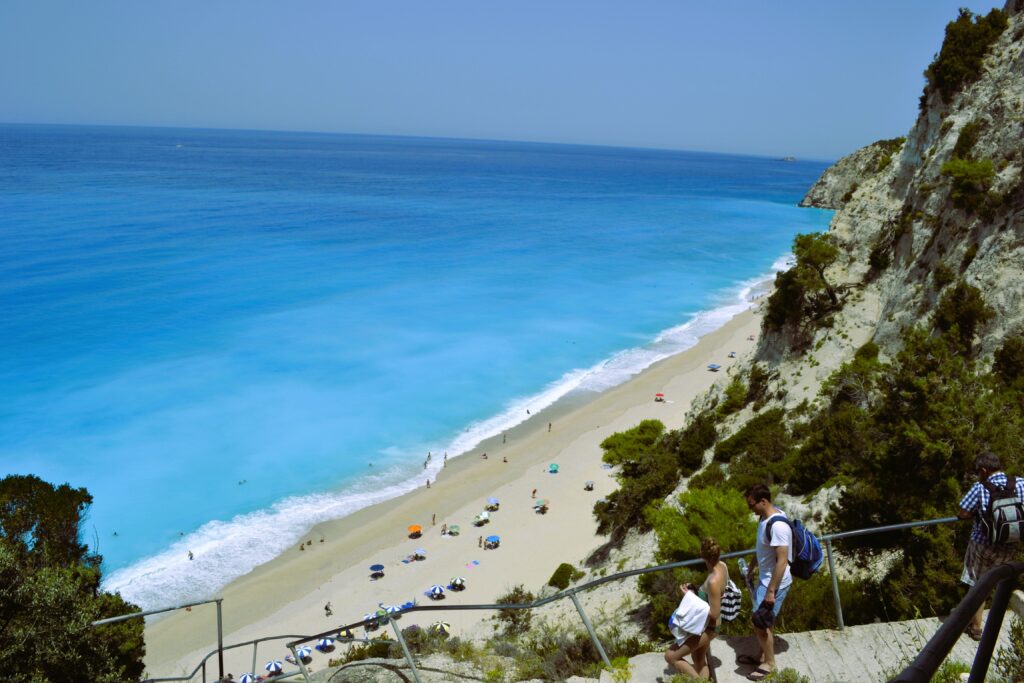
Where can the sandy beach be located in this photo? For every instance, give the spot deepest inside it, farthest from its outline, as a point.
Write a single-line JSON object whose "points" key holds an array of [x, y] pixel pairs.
{"points": [[288, 594]]}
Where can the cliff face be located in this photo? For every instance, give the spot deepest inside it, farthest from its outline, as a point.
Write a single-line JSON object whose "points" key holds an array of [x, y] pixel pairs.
{"points": [[900, 222]]}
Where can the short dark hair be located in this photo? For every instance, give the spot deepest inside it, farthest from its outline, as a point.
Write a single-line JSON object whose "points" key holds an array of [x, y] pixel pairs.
{"points": [[989, 460], [759, 492]]}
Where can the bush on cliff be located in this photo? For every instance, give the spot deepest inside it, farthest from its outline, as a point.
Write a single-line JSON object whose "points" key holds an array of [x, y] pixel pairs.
{"points": [[959, 61], [804, 295], [971, 182], [961, 312], [648, 471], [690, 443]]}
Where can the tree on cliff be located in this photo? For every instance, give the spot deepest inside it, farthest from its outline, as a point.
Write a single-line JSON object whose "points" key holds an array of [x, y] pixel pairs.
{"points": [[804, 295], [50, 592]]}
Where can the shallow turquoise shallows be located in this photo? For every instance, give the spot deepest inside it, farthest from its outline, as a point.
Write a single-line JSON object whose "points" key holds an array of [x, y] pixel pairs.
{"points": [[217, 333]]}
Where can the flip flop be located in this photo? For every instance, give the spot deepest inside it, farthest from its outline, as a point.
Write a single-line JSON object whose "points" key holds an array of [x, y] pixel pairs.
{"points": [[748, 659], [758, 674]]}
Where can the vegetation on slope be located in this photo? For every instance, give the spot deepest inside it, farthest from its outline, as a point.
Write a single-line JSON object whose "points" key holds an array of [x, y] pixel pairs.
{"points": [[50, 592], [959, 62]]}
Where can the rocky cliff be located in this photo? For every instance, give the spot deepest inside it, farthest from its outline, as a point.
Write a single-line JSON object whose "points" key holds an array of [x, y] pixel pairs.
{"points": [[945, 203]]}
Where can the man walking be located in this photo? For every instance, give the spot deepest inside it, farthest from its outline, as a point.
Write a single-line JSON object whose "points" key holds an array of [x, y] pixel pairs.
{"points": [[774, 553], [982, 555]]}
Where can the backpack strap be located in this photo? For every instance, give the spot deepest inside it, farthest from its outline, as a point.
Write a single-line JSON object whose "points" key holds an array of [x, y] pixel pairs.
{"points": [[768, 526]]}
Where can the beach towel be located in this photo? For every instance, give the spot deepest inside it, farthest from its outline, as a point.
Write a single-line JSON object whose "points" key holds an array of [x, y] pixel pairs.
{"points": [[689, 618]]}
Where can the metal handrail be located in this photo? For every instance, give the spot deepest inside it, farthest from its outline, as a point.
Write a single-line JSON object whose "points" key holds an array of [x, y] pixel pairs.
{"points": [[1003, 578], [572, 593]]}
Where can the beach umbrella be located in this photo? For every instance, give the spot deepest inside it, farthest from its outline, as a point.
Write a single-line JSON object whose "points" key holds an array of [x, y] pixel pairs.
{"points": [[415, 530], [421, 551], [453, 530], [371, 622], [540, 503], [304, 652], [435, 591], [393, 611], [325, 644], [274, 667], [248, 678], [441, 628], [345, 633], [457, 583], [493, 539], [376, 567], [661, 395], [553, 469]]}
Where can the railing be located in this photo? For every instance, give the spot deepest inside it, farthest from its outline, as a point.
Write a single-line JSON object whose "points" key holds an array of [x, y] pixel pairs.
{"points": [[1003, 579], [571, 593]]}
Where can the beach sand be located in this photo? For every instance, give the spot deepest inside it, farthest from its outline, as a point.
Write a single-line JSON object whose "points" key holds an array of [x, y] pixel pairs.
{"points": [[287, 595]]}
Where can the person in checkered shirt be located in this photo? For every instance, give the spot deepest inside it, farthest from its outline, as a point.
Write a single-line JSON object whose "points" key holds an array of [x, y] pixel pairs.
{"points": [[982, 555]]}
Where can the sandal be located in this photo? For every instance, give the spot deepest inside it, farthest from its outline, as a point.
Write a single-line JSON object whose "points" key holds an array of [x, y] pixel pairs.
{"points": [[750, 660], [759, 674]]}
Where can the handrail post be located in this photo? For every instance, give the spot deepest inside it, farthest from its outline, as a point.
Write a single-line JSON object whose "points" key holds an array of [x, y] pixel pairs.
{"points": [[405, 649], [255, 645], [220, 641], [204, 671], [298, 660], [991, 632], [590, 629], [835, 584]]}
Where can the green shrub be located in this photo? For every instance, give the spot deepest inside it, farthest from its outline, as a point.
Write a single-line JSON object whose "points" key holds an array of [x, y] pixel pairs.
{"points": [[942, 275], [1009, 662], [968, 258], [712, 476], [964, 309], [959, 62], [564, 575], [648, 471], [515, 621], [787, 675], [848, 195], [804, 297], [719, 513], [735, 397], [757, 389], [950, 672], [971, 181], [760, 435], [1009, 361], [967, 139], [690, 443]]}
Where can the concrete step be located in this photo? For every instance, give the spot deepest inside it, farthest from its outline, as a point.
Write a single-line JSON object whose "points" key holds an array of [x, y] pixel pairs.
{"points": [[871, 652]]}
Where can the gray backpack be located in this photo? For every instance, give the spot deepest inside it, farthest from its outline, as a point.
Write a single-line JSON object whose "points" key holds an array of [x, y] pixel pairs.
{"points": [[1003, 521]]}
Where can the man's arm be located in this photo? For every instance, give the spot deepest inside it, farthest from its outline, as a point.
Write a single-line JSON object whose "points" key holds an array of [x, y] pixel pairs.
{"points": [[964, 514], [781, 562]]}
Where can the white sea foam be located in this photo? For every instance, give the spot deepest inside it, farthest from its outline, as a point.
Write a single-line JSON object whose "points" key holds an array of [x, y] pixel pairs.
{"points": [[226, 550]]}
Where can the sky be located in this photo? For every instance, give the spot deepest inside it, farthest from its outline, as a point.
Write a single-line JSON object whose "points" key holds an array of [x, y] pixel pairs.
{"points": [[810, 78]]}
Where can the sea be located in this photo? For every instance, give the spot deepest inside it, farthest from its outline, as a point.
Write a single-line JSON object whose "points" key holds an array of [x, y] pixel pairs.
{"points": [[229, 336]]}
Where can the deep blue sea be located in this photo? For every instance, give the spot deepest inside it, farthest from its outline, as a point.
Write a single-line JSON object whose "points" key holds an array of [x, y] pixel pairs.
{"points": [[216, 332]]}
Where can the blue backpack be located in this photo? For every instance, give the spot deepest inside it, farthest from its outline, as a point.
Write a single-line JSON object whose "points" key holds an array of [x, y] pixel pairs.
{"points": [[807, 555]]}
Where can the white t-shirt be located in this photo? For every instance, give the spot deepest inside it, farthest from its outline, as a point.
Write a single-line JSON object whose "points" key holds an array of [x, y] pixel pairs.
{"points": [[782, 534]]}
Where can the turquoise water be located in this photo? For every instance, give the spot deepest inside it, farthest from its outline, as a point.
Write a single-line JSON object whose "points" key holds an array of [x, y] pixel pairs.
{"points": [[217, 332]]}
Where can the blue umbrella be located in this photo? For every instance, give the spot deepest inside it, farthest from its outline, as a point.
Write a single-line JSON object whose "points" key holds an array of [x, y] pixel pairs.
{"points": [[493, 539], [393, 611], [247, 678], [304, 652], [275, 666], [492, 501], [407, 605], [421, 551], [325, 644], [376, 567], [435, 591]]}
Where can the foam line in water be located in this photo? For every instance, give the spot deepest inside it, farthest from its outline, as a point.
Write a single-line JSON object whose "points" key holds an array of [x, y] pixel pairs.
{"points": [[224, 551]]}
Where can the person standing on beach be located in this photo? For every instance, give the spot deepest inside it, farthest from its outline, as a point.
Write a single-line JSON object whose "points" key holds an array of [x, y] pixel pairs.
{"points": [[328, 610], [533, 494], [774, 553], [480, 542], [549, 427], [190, 555]]}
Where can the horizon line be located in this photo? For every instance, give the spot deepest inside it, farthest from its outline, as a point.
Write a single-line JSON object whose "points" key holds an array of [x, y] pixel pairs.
{"points": [[422, 137]]}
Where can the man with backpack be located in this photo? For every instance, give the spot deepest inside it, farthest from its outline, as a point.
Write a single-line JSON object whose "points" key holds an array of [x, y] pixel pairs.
{"points": [[996, 503], [774, 553]]}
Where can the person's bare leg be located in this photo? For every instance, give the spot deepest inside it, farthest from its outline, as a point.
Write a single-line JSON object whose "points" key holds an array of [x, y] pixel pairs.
{"points": [[675, 658], [976, 619], [767, 643]]}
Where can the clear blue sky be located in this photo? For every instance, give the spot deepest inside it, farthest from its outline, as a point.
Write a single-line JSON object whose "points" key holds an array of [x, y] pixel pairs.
{"points": [[811, 78]]}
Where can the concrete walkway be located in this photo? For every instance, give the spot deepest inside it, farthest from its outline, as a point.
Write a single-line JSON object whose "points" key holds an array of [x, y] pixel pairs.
{"points": [[872, 652]]}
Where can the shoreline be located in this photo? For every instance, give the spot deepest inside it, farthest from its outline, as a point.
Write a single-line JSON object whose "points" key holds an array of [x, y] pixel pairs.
{"points": [[287, 594]]}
